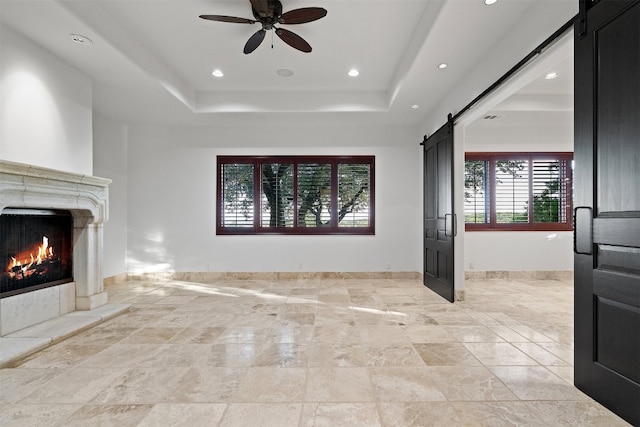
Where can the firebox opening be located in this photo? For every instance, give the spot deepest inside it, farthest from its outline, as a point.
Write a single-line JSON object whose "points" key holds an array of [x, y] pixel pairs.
{"points": [[36, 249]]}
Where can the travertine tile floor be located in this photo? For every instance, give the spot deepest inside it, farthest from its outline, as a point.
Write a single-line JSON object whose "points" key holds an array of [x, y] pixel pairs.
{"points": [[312, 353]]}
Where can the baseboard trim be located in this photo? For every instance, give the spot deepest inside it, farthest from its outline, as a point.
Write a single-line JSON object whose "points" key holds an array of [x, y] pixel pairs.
{"points": [[519, 275], [210, 276]]}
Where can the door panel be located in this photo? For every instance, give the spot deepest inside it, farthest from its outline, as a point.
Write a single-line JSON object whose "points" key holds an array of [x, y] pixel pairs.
{"points": [[439, 221], [607, 193]]}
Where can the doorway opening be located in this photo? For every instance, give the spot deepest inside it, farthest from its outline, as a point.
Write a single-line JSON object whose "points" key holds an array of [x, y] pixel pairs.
{"points": [[531, 112]]}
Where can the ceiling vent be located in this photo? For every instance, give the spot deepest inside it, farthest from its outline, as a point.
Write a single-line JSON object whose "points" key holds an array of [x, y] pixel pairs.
{"points": [[491, 117]]}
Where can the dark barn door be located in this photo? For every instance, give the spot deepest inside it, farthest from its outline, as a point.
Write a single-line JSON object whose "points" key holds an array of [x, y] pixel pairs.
{"points": [[607, 200], [439, 220]]}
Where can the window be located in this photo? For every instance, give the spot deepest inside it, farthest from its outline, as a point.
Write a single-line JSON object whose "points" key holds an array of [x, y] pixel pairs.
{"points": [[517, 191], [295, 195]]}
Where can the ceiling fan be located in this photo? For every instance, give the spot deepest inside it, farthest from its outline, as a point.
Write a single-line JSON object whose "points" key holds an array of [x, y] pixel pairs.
{"points": [[269, 13]]}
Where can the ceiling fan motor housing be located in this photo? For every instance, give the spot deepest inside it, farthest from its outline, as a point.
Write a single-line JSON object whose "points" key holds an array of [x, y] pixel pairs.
{"points": [[270, 15]]}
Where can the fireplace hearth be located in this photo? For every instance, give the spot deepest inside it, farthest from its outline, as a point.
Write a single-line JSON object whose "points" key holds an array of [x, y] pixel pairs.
{"points": [[35, 248]]}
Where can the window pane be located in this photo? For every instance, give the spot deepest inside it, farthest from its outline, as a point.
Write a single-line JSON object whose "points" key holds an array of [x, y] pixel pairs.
{"points": [[476, 192], [314, 195], [512, 191], [549, 200], [353, 195], [277, 195], [237, 195]]}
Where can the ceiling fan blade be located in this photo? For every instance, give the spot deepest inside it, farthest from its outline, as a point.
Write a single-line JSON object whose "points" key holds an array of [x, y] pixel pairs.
{"points": [[303, 15], [254, 41], [293, 40], [233, 19]]}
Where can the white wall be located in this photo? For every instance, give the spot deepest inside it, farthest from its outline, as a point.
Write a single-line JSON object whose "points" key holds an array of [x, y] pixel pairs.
{"points": [[110, 161], [172, 195], [518, 251], [45, 108]]}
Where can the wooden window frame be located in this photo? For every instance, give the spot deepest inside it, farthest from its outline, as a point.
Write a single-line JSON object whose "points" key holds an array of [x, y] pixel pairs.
{"points": [[257, 228], [567, 179]]}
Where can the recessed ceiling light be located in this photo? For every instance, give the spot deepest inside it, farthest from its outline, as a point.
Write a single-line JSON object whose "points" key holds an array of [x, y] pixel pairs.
{"points": [[354, 73], [442, 66], [415, 106], [551, 76], [80, 39], [284, 72], [490, 2], [217, 73]]}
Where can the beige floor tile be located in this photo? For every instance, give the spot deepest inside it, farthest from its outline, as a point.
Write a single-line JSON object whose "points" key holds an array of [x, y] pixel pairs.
{"points": [[337, 333], [126, 415], [206, 384], [496, 414], [500, 353], [586, 413], [473, 334], [418, 414], [197, 335], [17, 383], [152, 335], [312, 351], [283, 355], [62, 356], [338, 385], [262, 415], [140, 385], [564, 372], [183, 414], [290, 334], [446, 354], [340, 415], [507, 333], [125, 356], [101, 336], [405, 385], [428, 334], [233, 355], [35, 415], [539, 354], [336, 355], [536, 383], [398, 355], [469, 383], [271, 385], [78, 385]]}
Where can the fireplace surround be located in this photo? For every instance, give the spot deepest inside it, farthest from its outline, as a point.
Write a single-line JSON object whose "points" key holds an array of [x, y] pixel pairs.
{"points": [[86, 199]]}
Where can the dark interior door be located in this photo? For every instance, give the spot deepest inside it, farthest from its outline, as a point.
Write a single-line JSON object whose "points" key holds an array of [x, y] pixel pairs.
{"points": [[607, 200], [439, 220]]}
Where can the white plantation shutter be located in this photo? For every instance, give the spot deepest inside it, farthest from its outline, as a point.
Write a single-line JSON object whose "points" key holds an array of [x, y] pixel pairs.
{"points": [[353, 195], [477, 191], [276, 191], [518, 191], [237, 195], [314, 194], [550, 195], [512, 191], [295, 195]]}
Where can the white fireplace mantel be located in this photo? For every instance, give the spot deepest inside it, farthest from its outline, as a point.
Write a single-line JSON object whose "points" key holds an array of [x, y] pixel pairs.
{"points": [[86, 197]]}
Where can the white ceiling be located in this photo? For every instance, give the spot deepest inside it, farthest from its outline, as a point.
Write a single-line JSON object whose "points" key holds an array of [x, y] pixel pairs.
{"points": [[151, 60]]}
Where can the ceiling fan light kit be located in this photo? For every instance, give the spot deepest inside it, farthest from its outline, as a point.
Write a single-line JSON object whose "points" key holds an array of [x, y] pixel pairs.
{"points": [[268, 13]]}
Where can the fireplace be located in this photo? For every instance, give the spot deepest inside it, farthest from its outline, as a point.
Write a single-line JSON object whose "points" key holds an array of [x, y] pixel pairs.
{"points": [[36, 249], [57, 218]]}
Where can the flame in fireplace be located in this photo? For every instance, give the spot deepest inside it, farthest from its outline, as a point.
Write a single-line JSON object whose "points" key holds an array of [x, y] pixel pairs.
{"points": [[22, 263]]}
